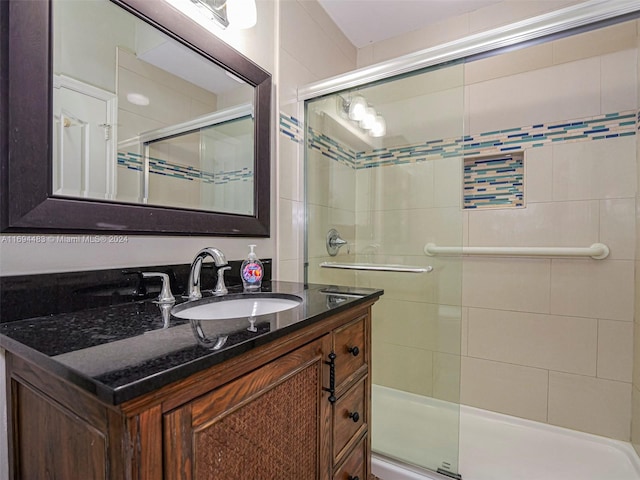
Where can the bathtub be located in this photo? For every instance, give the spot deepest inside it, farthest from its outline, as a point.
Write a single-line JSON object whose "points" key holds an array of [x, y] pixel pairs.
{"points": [[410, 432]]}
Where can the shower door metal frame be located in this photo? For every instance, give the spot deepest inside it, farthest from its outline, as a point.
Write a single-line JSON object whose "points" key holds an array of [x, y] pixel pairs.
{"points": [[567, 21]]}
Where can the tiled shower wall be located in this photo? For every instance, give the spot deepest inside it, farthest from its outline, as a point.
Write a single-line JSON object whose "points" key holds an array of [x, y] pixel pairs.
{"points": [[635, 393], [551, 339], [545, 339]]}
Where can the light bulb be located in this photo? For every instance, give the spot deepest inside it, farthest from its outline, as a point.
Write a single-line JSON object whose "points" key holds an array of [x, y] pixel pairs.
{"points": [[357, 108], [241, 13], [369, 119], [379, 127]]}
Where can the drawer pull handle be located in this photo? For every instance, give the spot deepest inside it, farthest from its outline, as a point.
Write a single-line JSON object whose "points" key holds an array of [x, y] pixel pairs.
{"points": [[353, 478], [355, 416], [332, 377], [355, 351]]}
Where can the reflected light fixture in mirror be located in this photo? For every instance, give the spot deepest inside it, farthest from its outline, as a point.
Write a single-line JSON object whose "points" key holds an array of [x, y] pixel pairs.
{"points": [[358, 111], [234, 14]]}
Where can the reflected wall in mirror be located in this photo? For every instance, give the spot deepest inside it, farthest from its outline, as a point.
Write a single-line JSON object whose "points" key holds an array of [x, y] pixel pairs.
{"points": [[138, 117], [128, 116]]}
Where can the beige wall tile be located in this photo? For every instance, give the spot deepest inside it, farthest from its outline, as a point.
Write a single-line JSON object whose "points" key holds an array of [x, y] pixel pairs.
{"points": [[131, 124], [636, 349], [566, 91], [590, 288], [330, 276], [559, 224], [464, 348], [289, 174], [506, 12], [538, 165], [305, 39], [585, 170], [447, 188], [403, 368], [165, 104], [324, 219], [330, 183], [289, 271], [406, 231], [635, 419], [408, 324], [615, 350], [441, 32], [590, 404], [290, 224], [510, 63], [292, 74], [424, 111], [446, 377], [568, 344], [619, 81], [501, 387], [415, 181], [617, 227], [520, 284], [419, 325], [330, 29], [597, 42], [442, 286]]}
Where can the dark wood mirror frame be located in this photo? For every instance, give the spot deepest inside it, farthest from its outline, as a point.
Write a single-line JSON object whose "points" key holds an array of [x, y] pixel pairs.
{"points": [[27, 201]]}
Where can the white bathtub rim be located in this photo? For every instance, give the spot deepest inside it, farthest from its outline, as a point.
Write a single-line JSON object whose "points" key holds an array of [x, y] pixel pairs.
{"points": [[467, 412], [624, 448]]}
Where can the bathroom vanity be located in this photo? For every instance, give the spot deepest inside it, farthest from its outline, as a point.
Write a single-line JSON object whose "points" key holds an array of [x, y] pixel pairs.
{"points": [[129, 392]]}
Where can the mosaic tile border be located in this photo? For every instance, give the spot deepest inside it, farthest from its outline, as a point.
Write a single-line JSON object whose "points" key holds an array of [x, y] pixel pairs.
{"points": [[291, 127], [134, 161], [332, 149], [494, 181], [611, 125]]}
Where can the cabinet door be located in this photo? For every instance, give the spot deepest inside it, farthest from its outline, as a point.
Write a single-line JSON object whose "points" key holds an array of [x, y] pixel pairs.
{"points": [[272, 423]]}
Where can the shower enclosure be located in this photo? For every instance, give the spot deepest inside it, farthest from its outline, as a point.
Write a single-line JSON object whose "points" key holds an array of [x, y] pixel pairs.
{"points": [[493, 197], [386, 196]]}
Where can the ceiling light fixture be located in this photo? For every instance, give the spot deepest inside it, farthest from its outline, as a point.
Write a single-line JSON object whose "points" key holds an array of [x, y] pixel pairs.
{"points": [[357, 108], [360, 112], [235, 14]]}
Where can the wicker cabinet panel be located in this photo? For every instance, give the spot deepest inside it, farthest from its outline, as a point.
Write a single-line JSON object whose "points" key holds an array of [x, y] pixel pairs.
{"points": [[350, 348], [268, 424]]}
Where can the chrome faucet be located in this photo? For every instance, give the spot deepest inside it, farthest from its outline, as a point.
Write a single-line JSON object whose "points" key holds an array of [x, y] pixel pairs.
{"points": [[220, 261]]}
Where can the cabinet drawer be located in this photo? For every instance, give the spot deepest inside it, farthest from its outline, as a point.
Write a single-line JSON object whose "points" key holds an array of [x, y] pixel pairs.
{"points": [[350, 349], [354, 466], [349, 416]]}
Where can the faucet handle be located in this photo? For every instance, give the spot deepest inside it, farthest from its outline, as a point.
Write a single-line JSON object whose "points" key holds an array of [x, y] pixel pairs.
{"points": [[165, 294], [221, 288]]}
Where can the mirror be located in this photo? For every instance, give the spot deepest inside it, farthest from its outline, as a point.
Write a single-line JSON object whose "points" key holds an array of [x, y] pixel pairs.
{"points": [[155, 125]]}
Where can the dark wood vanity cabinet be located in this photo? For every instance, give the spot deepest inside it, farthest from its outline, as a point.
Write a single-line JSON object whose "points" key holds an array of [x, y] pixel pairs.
{"points": [[285, 410]]}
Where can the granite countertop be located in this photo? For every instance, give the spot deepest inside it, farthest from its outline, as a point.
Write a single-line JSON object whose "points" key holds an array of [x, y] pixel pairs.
{"points": [[123, 351]]}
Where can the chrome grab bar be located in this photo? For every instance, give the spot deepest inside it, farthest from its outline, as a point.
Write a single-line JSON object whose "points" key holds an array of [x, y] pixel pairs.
{"points": [[597, 251], [381, 267]]}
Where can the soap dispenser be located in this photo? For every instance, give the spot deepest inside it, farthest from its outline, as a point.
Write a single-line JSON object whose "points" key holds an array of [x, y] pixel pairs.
{"points": [[252, 272]]}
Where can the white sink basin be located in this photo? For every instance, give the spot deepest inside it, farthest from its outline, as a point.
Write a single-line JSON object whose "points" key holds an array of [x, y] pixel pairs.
{"points": [[235, 306]]}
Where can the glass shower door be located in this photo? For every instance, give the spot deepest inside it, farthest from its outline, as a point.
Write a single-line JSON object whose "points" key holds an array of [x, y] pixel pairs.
{"points": [[389, 187]]}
